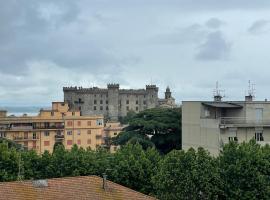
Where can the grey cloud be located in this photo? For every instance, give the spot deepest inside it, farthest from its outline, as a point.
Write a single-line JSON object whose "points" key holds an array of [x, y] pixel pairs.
{"points": [[214, 48], [259, 26], [214, 23]]}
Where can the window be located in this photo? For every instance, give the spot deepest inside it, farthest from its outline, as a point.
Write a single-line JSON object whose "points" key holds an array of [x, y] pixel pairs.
{"points": [[79, 132], [73, 113], [34, 135], [89, 123], [69, 123], [79, 123], [89, 141], [106, 95], [119, 102], [46, 143], [259, 136], [101, 102], [79, 142], [137, 108], [52, 113], [99, 122], [95, 108], [144, 102], [25, 144], [127, 107], [69, 142], [69, 132], [107, 102], [95, 101], [114, 133], [2, 134], [107, 108], [34, 144], [144, 96], [127, 101], [101, 95], [95, 95], [101, 107], [88, 131], [206, 113], [137, 102], [46, 133], [233, 139]]}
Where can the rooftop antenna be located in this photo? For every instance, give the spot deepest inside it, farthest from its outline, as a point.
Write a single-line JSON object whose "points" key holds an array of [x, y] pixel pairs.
{"points": [[251, 91], [217, 93]]}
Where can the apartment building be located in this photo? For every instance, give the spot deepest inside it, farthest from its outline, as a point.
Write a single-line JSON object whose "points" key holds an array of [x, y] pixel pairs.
{"points": [[211, 124], [111, 130], [56, 125]]}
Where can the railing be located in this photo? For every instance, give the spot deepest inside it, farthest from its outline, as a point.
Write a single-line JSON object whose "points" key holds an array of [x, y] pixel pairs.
{"points": [[17, 138], [22, 128], [50, 127], [60, 137], [243, 121]]}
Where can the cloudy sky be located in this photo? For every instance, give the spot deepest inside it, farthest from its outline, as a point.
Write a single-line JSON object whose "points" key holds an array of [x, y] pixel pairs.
{"points": [[186, 44]]}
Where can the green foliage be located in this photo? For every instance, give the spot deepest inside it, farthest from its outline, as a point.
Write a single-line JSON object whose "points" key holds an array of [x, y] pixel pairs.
{"points": [[158, 126], [242, 171], [187, 175], [245, 169], [9, 163], [126, 119], [136, 166]]}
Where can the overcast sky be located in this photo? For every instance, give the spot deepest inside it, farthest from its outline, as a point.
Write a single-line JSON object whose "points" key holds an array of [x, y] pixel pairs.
{"points": [[186, 44]]}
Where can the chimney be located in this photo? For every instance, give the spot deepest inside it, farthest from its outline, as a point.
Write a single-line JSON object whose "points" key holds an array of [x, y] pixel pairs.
{"points": [[249, 98], [104, 181], [218, 98]]}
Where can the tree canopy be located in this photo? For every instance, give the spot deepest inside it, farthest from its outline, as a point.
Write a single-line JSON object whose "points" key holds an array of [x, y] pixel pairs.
{"points": [[241, 171], [159, 127]]}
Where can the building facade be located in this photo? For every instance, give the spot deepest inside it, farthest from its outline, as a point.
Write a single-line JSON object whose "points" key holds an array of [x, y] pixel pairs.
{"points": [[211, 124], [111, 130], [113, 102], [56, 125]]}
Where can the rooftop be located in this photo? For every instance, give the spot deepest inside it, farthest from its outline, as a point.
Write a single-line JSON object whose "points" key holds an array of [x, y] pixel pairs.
{"points": [[81, 187]]}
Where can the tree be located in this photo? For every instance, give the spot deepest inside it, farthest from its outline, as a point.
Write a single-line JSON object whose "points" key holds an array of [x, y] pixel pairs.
{"points": [[245, 169], [133, 167], [9, 163], [187, 175], [158, 126]]}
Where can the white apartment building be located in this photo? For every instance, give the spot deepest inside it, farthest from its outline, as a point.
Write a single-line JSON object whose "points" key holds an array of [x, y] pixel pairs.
{"points": [[211, 124]]}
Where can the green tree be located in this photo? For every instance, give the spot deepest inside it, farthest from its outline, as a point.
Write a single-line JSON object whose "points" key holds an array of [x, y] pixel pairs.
{"points": [[245, 170], [187, 175], [158, 126], [134, 167], [9, 163]]}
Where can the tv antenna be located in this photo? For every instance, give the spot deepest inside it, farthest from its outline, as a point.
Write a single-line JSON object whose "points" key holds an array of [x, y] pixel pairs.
{"points": [[251, 89], [217, 93]]}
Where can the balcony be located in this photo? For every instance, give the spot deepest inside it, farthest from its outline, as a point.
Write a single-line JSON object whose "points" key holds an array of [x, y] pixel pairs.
{"points": [[226, 122], [51, 127], [59, 137], [23, 128], [19, 138]]}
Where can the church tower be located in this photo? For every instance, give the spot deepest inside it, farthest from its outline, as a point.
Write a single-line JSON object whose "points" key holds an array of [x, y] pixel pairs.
{"points": [[168, 93]]}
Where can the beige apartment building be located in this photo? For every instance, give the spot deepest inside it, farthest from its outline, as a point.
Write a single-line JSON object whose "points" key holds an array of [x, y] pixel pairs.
{"points": [[211, 124], [56, 125], [111, 130]]}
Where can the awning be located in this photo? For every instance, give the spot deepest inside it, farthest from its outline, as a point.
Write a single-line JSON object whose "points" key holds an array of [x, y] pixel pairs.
{"points": [[222, 105]]}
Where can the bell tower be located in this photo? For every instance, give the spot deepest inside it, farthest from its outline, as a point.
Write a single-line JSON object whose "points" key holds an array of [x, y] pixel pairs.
{"points": [[168, 93]]}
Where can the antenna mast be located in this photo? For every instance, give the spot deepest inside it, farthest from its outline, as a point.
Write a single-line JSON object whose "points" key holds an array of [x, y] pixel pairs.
{"points": [[217, 93]]}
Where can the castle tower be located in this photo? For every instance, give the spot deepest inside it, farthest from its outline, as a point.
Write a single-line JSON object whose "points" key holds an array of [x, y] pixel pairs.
{"points": [[168, 93], [113, 96]]}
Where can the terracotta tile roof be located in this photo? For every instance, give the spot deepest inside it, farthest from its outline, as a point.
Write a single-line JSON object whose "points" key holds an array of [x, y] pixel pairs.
{"points": [[81, 187]]}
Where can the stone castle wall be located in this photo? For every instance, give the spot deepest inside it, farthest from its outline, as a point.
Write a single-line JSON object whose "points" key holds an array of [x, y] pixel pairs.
{"points": [[111, 102]]}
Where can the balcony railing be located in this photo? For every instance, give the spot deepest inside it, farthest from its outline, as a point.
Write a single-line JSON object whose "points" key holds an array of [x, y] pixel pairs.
{"points": [[50, 127], [22, 128], [59, 137], [241, 121], [18, 138]]}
